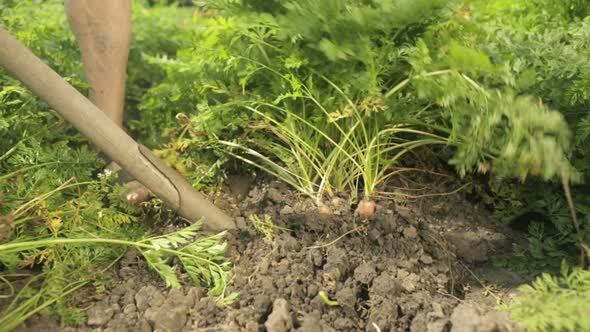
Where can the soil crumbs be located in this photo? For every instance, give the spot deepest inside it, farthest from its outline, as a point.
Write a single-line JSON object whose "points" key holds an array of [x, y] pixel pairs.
{"points": [[417, 266]]}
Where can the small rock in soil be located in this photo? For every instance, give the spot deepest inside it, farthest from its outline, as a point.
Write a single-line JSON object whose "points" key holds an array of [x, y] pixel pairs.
{"points": [[418, 323], [241, 223], [167, 318], [318, 303], [443, 325], [274, 195], [316, 258], [143, 296], [410, 282], [177, 298], [401, 273], [347, 299], [496, 321], [312, 290], [262, 302], [436, 313], [383, 315], [403, 212], [286, 210], [130, 309], [311, 322], [376, 235], [410, 232], [279, 319], [119, 290], [465, 318], [336, 262], [99, 314], [426, 259], [344, 324], [384, 284], [365, 273]]}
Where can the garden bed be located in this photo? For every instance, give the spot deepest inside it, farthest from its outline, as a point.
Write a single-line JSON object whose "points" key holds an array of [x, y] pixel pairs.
{"points": [[328, 97], [420, 265]]}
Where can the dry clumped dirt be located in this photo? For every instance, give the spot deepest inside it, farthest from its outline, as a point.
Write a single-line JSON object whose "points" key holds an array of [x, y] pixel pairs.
{"points": [[417, 266]]}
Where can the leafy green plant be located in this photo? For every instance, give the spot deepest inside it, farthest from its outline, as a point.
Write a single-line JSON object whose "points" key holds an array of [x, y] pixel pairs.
{"points": [[202, 258], [47, 292], [546, 53], [326, 115], [249, 58], [329, 157], [554, 303], [61, 217], [267, 95]]}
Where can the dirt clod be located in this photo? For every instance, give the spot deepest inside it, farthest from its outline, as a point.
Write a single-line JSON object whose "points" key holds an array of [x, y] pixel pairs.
{"points": [[497, 322], [311, 322], [443, 325], [172, 319], [410, 232], [262, 302], [280, 318], [286, 210], [365, 273], [100, 314], [410, 282], [469, 317], [426, 259], [275, 195], [397, 272], [465, 318]]}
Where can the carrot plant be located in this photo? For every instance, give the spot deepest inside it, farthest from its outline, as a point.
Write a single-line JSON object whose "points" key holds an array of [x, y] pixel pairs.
{"points": [[545, 53], [554, 303], [346, 153], [327, 115]]}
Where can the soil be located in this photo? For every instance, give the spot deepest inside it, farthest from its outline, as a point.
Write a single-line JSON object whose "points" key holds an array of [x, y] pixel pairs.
{"points": [[418, 265]]}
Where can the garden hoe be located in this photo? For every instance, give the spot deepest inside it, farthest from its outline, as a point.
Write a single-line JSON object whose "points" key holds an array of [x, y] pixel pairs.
{"points": [[136, 159]]}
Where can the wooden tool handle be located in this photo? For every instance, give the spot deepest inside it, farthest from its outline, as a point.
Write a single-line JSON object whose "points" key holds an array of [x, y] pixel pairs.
{"points": [[161, 179]]}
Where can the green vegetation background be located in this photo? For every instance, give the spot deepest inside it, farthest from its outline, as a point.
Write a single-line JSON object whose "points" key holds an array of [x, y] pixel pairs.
{"points": [[329, 96]]}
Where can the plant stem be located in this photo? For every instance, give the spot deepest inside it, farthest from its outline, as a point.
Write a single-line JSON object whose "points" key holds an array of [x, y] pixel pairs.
{"points": [[49, 242], [403, 83], [570, 201]]}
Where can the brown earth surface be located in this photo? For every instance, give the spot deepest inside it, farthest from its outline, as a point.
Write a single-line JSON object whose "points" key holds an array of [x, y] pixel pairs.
{"points": [[419, 265]]}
